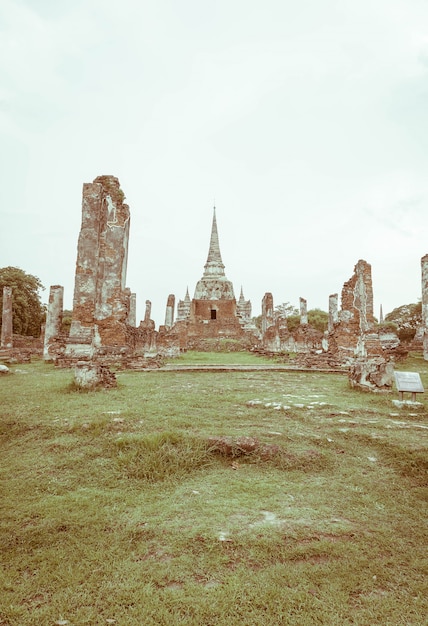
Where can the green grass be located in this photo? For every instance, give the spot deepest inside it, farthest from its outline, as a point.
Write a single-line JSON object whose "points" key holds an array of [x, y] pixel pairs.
{"points": [[116, 507], [220, 358]]}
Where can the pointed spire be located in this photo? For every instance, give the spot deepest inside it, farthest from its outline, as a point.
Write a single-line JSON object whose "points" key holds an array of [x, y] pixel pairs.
{"points": [[187, 297], [214, 264]]}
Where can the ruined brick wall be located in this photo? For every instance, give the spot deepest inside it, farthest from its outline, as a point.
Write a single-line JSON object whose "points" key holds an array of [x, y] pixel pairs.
{"points": [[267, 312], [216, 328], [354, 333], [205, 309], [101, 304], [303, 339], [357, 299]]}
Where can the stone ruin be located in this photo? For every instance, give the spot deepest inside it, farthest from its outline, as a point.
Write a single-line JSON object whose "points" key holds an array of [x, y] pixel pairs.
{"points": [[276, 336], [351, 341], [103, 327], [103, 321], [213, 318], [52, 339], [371, 374], [6, 326], [424, 272], [352, 331], [101, 302], [15, 348], [90, 376]]}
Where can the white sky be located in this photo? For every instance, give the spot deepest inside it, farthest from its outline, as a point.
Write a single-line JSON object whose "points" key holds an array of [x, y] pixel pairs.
{"points": [[306, 121]]}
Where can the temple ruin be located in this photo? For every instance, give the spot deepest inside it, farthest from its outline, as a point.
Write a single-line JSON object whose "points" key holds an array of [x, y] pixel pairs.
{"points": [[101, 303], [213, 315], [104, 327], [352, 330]]}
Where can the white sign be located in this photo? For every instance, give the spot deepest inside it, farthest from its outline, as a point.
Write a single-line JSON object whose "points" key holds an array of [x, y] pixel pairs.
{"points": [[409, 381]]}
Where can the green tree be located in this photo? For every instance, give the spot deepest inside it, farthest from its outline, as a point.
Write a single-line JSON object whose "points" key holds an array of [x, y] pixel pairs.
{"points": [[257, 321], [67, 316], [407, 318], [318, 319], [293, 321], [27, 310], [285, 310]]}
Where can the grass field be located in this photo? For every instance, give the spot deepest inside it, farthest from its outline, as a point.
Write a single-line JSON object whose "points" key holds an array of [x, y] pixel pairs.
{"points": [[116, 508]]}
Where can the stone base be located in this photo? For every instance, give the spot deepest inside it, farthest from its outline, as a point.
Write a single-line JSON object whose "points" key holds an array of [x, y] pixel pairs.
{"points": [[374, 374], [93, 375]]}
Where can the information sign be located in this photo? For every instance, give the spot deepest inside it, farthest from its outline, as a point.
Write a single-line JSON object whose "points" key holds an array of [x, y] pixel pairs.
{"points": [[408, 381]]}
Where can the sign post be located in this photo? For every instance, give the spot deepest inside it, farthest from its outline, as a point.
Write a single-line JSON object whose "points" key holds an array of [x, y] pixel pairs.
{"points": [[408, 381]]}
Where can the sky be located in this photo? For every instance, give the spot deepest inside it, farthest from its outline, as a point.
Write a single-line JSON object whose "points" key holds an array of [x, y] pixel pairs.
{"points": [[305, 123]]}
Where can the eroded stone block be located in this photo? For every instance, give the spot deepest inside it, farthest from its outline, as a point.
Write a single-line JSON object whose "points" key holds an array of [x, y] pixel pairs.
{"points": [[375, 374], [93, 375]]}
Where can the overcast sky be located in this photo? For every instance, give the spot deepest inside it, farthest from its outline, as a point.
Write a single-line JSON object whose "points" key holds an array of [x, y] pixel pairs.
{"points": [[305, 121]]}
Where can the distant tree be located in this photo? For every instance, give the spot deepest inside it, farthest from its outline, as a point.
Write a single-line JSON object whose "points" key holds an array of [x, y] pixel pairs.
{"points": [[318, 319], [66, 320], [28, 313], [257, 321], [293, 321], [285, 310], [407, 318]]}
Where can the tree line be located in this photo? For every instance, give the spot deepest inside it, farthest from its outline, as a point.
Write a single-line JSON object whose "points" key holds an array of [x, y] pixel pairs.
{"points": [[28, 312]]}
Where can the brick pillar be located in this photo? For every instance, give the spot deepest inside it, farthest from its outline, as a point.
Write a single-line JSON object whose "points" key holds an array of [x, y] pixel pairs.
{"points": [[332, 311], [132, 317], [267, 312], [100, 303], [148, 311], [424, 267], [169, 313], [303, 311], [7, 320], [53, 319]]}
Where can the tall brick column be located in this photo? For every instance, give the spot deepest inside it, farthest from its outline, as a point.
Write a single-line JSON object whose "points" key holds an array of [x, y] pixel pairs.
{"points": [[6, 320], [332, 310], [267, 312], [53, 319], [303, 311], [101, 301], [169, 313], [424, 268]]}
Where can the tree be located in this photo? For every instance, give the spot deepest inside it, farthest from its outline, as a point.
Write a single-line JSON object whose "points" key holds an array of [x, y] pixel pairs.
{"points": [[285, 310], [407, 318], [67, 316], [257, 321], [318, 319], [293, 322], [28, 313]]}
